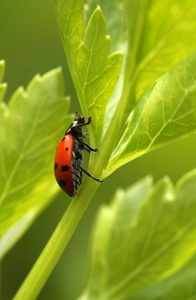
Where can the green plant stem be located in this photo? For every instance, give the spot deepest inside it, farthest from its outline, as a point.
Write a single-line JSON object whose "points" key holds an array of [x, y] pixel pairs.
{"points": [[125, 106], [43, 267], [61, 236], [57, 243]]}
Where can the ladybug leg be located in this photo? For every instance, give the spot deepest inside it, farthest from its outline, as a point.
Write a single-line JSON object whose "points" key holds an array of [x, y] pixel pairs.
{"points": [[87, 150], [85, 134], [84, 124], [86, 146], [83, 170]]}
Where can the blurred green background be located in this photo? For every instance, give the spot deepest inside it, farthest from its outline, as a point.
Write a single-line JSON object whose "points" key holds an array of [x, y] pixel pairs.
{"points": [[30, 44]]}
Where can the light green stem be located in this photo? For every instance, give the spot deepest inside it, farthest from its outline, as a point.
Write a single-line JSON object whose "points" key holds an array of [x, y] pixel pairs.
{"points": [[57, 243], [61, 236]]}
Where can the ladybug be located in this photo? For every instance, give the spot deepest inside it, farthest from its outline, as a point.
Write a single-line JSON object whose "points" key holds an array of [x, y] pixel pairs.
{"points": [[68, 160]]}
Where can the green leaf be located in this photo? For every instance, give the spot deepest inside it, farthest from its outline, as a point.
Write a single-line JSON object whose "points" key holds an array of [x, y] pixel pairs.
{"points": [[116, 28], [144, 236], [114, 17], [94, 71], [166, 113], [181, 285], [161, 34], [31, 126]]}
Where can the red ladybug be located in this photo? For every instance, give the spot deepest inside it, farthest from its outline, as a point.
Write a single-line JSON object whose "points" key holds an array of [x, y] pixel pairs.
{"points": [[68, 160]]}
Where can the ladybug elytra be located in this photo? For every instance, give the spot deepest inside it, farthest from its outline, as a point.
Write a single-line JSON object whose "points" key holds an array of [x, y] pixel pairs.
{"points": [[68, 160]]}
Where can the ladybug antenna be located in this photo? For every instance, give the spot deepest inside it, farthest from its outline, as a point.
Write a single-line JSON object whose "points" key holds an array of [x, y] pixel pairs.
{"points": [[81, 117]]}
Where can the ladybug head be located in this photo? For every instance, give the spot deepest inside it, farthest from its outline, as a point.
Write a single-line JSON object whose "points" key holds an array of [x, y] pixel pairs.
{"points": [[79, 119], [75, 127]]}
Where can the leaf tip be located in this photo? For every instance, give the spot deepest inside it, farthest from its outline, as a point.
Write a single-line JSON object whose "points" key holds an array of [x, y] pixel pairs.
{"points": [[149, 179], [53, 73], [3, 85], [99, 12], [168, 188], [20, 89], [37, 76], [59, 69], [118, 55], [4, 108], [185, 178], [2, 69]]}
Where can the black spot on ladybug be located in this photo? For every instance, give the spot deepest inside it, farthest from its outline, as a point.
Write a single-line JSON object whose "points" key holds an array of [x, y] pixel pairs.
{"points": [[66, 148], [55, 166], [63, 138], [64, 168], [62, 182]]}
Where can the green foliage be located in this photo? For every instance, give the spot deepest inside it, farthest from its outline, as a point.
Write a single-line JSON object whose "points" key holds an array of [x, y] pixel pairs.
{"points": [[144, 236], [94, 72], [181, 285], [30, 128], [166, 113], [157, 41], [160, 34], [144, 241]]}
